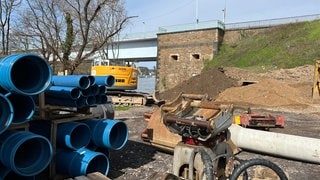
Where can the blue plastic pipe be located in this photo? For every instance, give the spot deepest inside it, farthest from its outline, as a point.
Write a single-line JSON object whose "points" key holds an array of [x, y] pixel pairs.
{"points": [[6, 113], [101, 99], [108, 133], [102, 90], [8, 174], [81, 162], [23, 108], [94, 90], [26, 74], [25, 153], [80, 81], [78, 103], [98, 99], [73, 135], [92, 80], [90, 91], [86, 92], [95, 148], [105, 80], [90, 100], [63, 92]]}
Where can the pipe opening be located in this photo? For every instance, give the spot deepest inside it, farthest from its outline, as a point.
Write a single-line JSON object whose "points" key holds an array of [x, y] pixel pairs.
{"points": [[110, 81], [75, 93], [118, 135], [32, 156], [30, 74], [80, 136], [99, 163], [6, 113], [84, 82], [23, 106]]}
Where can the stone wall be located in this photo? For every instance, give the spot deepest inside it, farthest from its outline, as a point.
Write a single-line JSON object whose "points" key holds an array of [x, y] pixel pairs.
{"points": [[182, 55], [234, 36]]}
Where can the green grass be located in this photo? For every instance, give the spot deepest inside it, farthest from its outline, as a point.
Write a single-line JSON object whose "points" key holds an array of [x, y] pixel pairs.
{"points": [[283, 46], [121, 108]]}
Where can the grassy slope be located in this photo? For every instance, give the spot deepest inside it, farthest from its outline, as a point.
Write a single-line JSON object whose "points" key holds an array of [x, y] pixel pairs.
{"points": [[284, 46]]}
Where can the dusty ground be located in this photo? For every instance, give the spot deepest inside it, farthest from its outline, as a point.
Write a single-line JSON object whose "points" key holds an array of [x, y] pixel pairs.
{"points": [[282, 92]]}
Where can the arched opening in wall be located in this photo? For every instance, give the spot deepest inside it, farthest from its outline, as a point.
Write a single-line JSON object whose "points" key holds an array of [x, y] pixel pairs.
{"points": [[195, 56], [174, 57]]}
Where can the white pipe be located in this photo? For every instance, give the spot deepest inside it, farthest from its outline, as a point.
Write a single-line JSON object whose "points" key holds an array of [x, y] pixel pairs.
{"points": [[289, 146]]}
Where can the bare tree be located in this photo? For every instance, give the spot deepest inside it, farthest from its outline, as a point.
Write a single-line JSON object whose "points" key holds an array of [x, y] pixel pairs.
{"points": [[72, 31], [7, 7]]}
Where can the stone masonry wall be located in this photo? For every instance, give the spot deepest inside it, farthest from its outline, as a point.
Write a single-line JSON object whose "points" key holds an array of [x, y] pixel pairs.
{"points": [[182, 55]]}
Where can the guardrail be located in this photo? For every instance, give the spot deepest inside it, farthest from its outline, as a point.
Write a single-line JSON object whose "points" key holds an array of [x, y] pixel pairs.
{"points": [[221, 25], [270, 22]]}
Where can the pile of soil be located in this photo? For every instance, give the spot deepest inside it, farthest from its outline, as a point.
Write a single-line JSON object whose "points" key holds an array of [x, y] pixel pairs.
{"points": [[211, 82], [268, 93], [287, 88]]}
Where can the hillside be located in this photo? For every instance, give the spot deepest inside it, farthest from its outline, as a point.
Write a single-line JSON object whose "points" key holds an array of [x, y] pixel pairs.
{"points": [[284, 46], [280, 62]]}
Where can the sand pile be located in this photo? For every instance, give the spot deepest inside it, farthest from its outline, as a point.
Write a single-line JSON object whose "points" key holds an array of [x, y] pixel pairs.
{"points": [[268, 93]]}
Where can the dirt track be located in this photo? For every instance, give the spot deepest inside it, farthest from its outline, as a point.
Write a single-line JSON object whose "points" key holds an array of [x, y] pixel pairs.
{"points": [[282, 92]]}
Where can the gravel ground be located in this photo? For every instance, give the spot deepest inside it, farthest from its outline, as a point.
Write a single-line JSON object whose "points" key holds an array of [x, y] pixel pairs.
{"points": [[139, 160]]}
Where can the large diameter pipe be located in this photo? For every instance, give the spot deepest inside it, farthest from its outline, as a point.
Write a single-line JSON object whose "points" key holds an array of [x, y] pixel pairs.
{"points": [[81, 162], [79, 81], [288, 146], [26, 74], [73, 135], [63, 92], [23, 107], [108, 133], [105, 80], [8, 174], [6, 113], [25, 153]]}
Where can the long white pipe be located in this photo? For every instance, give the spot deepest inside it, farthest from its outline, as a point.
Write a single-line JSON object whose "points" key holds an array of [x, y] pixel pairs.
{"points": [[289, 146]]}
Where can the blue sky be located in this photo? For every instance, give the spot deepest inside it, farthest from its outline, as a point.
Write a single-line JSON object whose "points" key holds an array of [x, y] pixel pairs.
{"points": [[155, 13]]}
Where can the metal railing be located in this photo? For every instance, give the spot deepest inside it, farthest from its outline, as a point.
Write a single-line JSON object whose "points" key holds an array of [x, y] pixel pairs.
{"points": [[221, 25], [270, 22]]}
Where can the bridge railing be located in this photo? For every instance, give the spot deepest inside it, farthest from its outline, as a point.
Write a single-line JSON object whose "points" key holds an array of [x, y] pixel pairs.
{"points": [[221, 25], [270, 22]]}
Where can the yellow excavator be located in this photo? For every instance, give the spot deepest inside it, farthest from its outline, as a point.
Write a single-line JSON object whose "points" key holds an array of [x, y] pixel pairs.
{"points": [[126, 82], [126, 74]]}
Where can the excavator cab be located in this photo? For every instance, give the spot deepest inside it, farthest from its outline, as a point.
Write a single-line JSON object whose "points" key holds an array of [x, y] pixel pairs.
{"points": [[125, 73]]}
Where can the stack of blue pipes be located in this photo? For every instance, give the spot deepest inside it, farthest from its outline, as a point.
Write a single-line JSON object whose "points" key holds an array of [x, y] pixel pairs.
{"points": [[23, 154], [78, 90], [82, 146], [25, 149]]}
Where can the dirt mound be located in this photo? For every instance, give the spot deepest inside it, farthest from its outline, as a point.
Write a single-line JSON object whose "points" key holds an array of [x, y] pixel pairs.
{"points": [[211, 82], [288, 88], [268, 93]]}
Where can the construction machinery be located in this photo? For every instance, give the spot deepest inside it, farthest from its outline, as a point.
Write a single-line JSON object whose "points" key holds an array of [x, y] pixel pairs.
{"points": [[126, 82], [196, 130], [249, 119]]}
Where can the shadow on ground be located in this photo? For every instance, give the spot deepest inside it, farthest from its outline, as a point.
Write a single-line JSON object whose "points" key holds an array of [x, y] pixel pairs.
{"points": [[132, 156]]}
